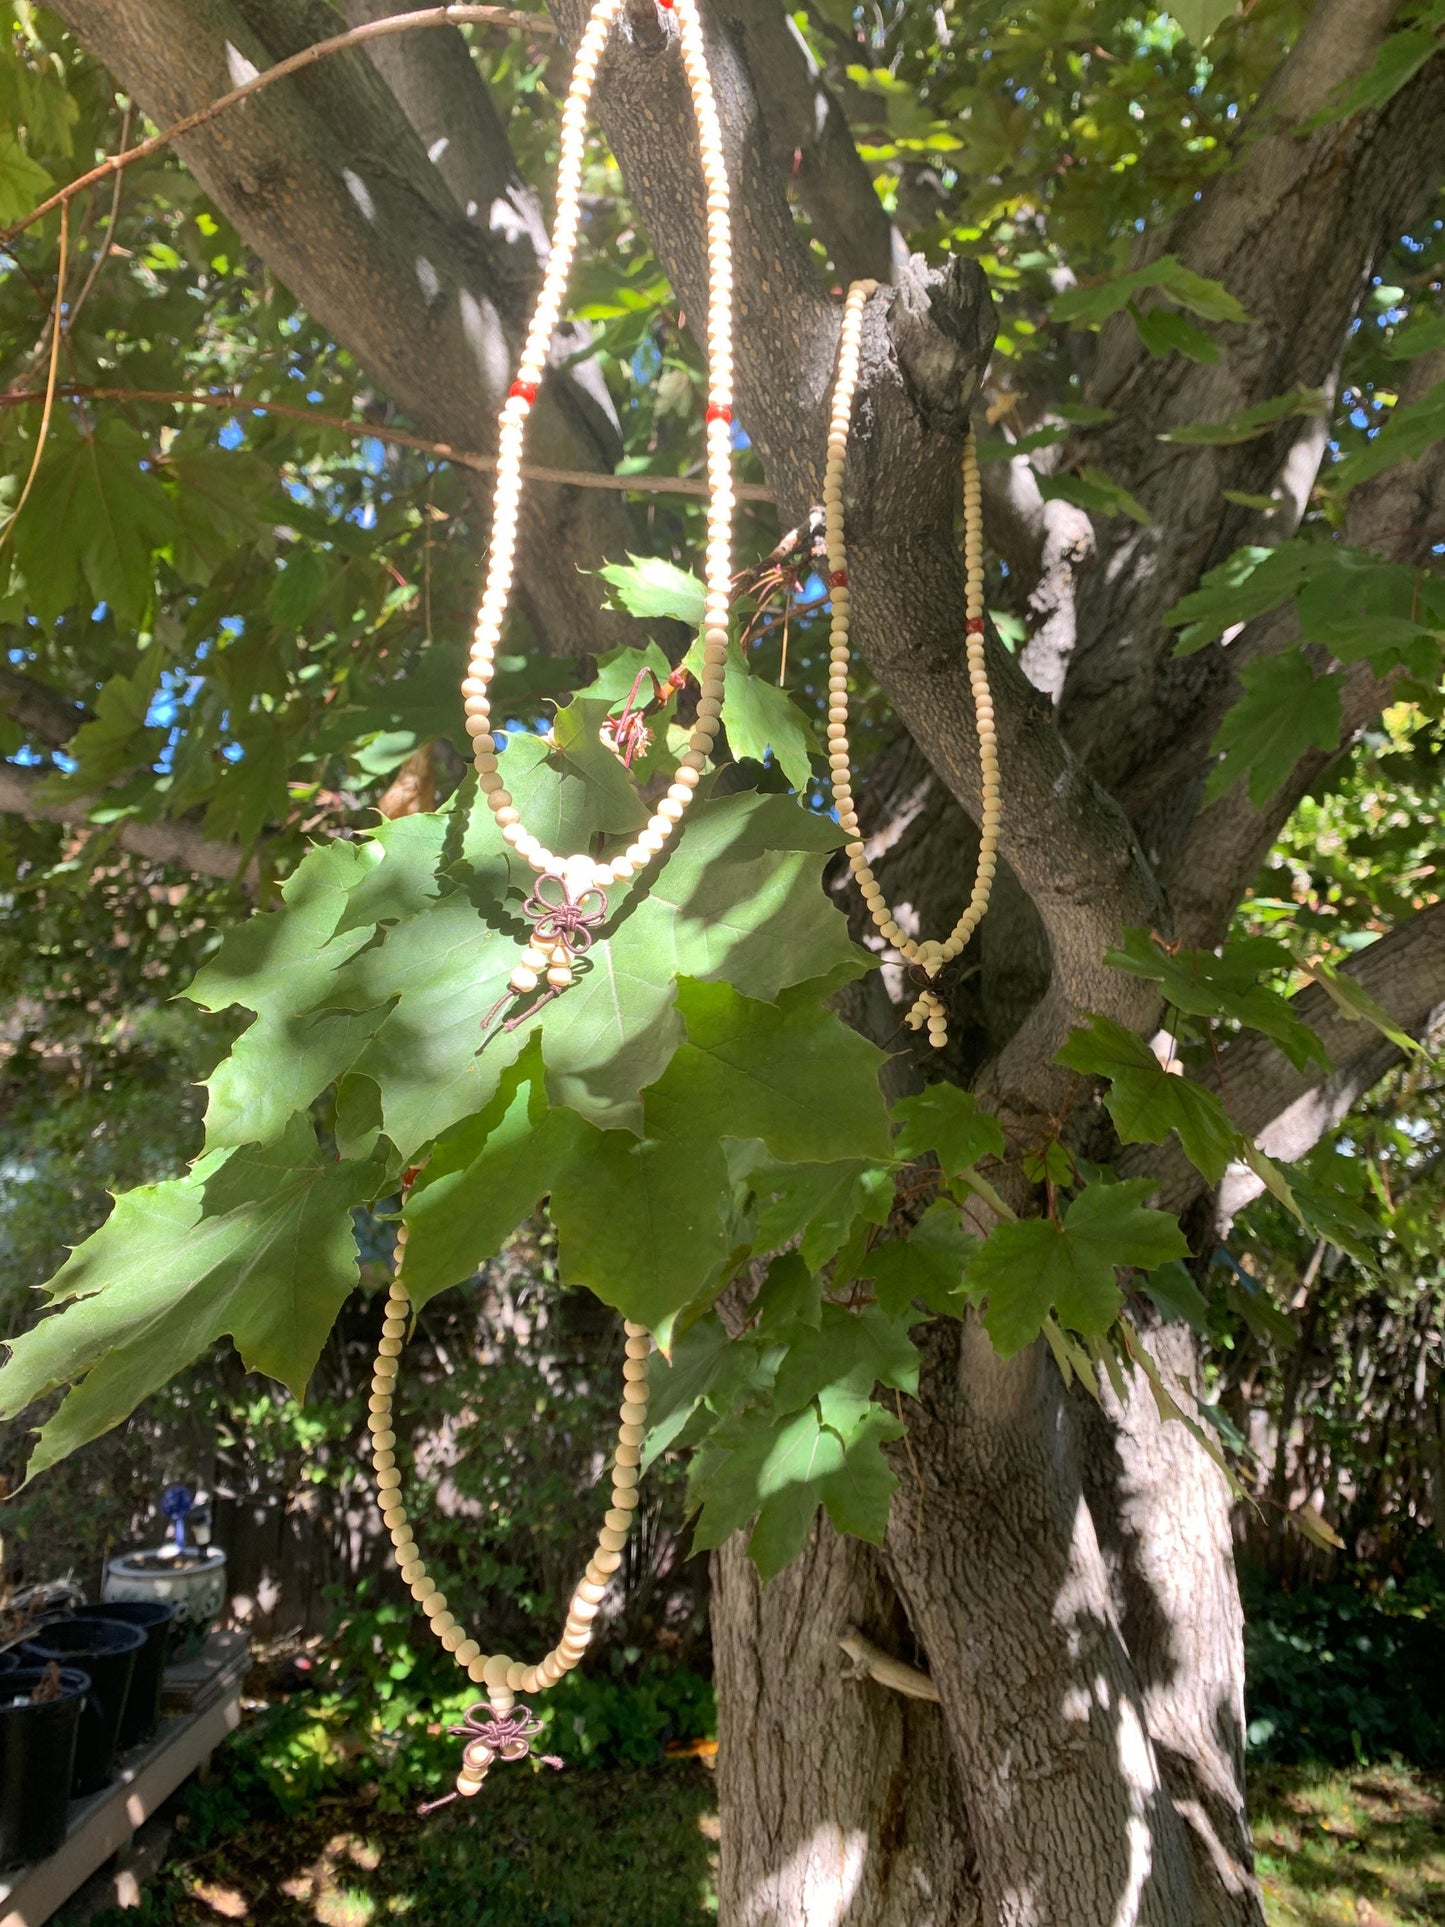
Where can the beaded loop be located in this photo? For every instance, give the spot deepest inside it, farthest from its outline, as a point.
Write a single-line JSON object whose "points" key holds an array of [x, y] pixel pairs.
{"points": [[503, 1677], [930, 957], [578, 874]]}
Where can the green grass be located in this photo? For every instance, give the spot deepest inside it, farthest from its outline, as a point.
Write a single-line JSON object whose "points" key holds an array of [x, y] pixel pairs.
{"points": [[1352, 1848], [270, 1843], [534, 1850]]}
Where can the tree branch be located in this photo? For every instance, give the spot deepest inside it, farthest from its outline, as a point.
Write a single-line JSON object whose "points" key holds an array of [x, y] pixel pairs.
{"points": [[238, 404], [174, 843], [442, 93], [1293, 230], [810, 141], [327, 179], [1288, 1110], [924, 344], [282, 70], [1400, 513], [48, 715]]}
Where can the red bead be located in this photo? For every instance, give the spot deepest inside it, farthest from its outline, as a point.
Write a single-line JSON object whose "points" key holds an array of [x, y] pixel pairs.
{"points": [[838, 579], [526, 389], [666, 5], [715, 411], [974, 625]]}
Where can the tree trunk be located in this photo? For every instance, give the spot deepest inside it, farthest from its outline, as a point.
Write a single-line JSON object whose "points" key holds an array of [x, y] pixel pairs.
{"points": [[1070, 1577], [841, 1802]]}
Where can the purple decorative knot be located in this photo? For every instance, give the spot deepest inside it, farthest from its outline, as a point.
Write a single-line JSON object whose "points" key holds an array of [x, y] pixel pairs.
{"points": [[561, 919], [491, 1735]]}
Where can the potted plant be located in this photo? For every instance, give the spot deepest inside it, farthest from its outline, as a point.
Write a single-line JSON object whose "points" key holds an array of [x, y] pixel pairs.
{"points": [[107, 1652], [40, 1709], [156, 1618]]}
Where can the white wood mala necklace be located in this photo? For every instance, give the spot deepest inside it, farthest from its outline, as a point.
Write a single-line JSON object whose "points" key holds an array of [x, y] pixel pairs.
{"points": [[497, 1727], [927, 958], [569, 899]]}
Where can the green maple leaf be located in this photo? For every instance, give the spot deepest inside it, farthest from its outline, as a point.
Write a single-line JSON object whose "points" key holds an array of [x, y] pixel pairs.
{"points": [[699, 1381], [1246, 584], [255, 1243], [639, 1220], [1146, 1102], [649, 587], [1250, 423], [1095, 491], [1029, 1269], [928, 1264], [438, 975], [23, 182], [791, 1294], [791, 1075], [758, 717], [1093, 303], [1285, 710], [1165, 333], [281, 965], [95, 516], [782, 1473], [1202, 985], [486, 1175], [738, 900], [1411, 428], [1199, 18], [117, 739], [815, 1203], [844, 1358], [947, 1121]]}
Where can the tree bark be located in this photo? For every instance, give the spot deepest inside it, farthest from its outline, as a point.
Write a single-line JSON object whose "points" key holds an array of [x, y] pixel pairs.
{"points": [[840, 1800], [1063, 1573], [328, 180]]}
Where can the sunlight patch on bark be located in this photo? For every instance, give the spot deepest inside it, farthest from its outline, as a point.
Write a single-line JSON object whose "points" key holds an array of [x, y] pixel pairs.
{"points": [[815, 1885]]}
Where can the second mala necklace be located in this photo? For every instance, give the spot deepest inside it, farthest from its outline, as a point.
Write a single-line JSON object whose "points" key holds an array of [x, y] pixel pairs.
{"points": [[497, 1727], [927, 958]]}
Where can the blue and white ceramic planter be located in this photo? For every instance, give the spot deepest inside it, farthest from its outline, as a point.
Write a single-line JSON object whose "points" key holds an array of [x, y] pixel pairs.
{"points": [[194, 1583]]}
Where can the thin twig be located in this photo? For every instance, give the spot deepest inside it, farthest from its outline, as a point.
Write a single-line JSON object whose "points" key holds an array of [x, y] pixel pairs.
{"points": [[981, 1188], [350, 425], [102, 253], [57, 334], [318, 50]]}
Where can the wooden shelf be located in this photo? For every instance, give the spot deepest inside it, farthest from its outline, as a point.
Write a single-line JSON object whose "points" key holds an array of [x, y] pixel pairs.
{"points": [[207, 1692]]}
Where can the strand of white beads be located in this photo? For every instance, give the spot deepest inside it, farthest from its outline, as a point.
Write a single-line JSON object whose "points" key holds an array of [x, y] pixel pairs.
{"points": [[502, 1676], [581, 874], [928, 957]]}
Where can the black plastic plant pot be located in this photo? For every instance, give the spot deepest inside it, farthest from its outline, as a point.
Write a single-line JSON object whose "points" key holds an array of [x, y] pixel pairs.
{"points": [[156, 1619], [37, 1760], [107, 1651]]}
